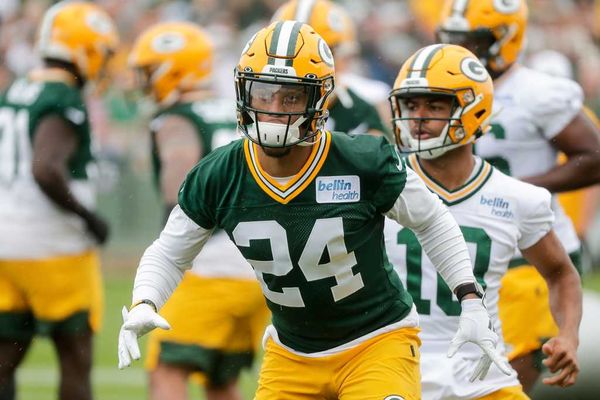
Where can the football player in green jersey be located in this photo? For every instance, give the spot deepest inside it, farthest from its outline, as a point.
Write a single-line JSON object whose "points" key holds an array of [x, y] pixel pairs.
{"points": [[306, 208], [348, 111], [49, 268], [211, 338]]}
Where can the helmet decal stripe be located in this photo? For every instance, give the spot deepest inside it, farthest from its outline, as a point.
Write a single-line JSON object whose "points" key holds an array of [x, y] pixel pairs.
{"points": [[460, 7], [291, 50], [47, 22], [274, 42], [304, 10], [427, 61], [418, 69], [414, 60], [280, 46]]}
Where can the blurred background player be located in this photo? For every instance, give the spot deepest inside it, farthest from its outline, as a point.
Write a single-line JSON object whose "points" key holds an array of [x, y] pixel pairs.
{"points": [[348, 111], [441, 102], [50, 279], [217, 313], [581, 205], [535, 116]]}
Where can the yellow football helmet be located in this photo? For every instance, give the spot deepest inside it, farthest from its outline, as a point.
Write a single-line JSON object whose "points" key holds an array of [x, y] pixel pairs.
{"points": [[286, 57], [80, 33], [493, 29], [443, 70], [172, 57], [330, 20]]}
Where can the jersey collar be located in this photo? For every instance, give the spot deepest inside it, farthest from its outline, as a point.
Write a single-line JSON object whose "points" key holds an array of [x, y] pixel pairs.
{"points": [[285, 193], [452, 197]]}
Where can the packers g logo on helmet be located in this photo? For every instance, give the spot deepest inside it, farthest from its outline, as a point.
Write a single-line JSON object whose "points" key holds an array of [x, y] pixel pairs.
{"points": [[330, 20], [473, 69], [449, 71], [79, 33], [492, 29], [170, 58], [287, 57]]}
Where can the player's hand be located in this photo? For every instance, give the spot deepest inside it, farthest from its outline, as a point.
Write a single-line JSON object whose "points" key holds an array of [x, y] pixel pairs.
{"points": [[475, 326], [140, 320], [562, 358], [97, 227]]}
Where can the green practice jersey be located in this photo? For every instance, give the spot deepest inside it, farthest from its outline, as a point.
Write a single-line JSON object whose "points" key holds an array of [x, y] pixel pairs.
{"points": [[353, 115], [33, 226], [316, 243], [22, 107], [213, 119]]}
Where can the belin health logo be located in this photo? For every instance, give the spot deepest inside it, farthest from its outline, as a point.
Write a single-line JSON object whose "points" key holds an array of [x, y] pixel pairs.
{"points": [[338, 189], [499, 207]]}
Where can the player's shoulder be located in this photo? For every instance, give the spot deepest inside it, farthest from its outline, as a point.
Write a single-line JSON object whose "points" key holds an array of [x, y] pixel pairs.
{"points": [[32, 92], [361, 147], [540, 90], [370, 157], [358, 143], [527, 196], [222, 162], [215, 171]]}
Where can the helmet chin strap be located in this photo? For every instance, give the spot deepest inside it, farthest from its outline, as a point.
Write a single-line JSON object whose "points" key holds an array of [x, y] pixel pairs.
{"points": [[274, 135]]}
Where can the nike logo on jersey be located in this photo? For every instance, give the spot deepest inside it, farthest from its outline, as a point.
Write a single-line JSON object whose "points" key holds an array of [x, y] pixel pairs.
{"points": [[338, 189]]}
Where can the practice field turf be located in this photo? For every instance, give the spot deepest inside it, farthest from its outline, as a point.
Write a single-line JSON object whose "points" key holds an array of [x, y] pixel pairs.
{"points": [[38, 376]]}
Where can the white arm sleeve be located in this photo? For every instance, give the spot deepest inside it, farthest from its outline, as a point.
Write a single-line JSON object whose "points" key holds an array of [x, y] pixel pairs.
{"points": [[163, 263], [437, 231]]}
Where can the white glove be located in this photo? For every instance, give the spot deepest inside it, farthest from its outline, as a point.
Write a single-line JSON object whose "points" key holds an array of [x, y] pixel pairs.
{"points": [[137, 322], [475, 326]]}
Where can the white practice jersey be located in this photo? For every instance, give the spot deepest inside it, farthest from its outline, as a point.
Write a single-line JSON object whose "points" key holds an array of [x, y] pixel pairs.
{"points": [[496, 214], [531, 108]]}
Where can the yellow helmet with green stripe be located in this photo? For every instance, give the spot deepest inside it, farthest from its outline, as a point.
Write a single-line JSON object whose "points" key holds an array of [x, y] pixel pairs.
{"points": [[287, 57], [450, 71]]}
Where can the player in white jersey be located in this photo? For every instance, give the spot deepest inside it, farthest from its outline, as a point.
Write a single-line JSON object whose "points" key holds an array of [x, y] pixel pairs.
{"points": [[535, 116], [442, 100], [50, 281], [212, 337]]}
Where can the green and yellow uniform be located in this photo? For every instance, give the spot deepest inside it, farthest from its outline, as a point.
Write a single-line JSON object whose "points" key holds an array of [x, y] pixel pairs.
{"points": [[217, 313], [49, 271], [316, 245]]}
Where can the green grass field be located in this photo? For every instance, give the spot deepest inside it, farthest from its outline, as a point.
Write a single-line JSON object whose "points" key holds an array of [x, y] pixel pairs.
{"points": [[37, 378]]}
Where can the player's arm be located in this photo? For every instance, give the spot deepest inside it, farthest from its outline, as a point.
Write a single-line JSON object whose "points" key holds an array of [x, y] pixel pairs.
{"points": [[54, 143], [440, 236], [580, 141], [179, 149], [564, 286], [159, 272]]}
